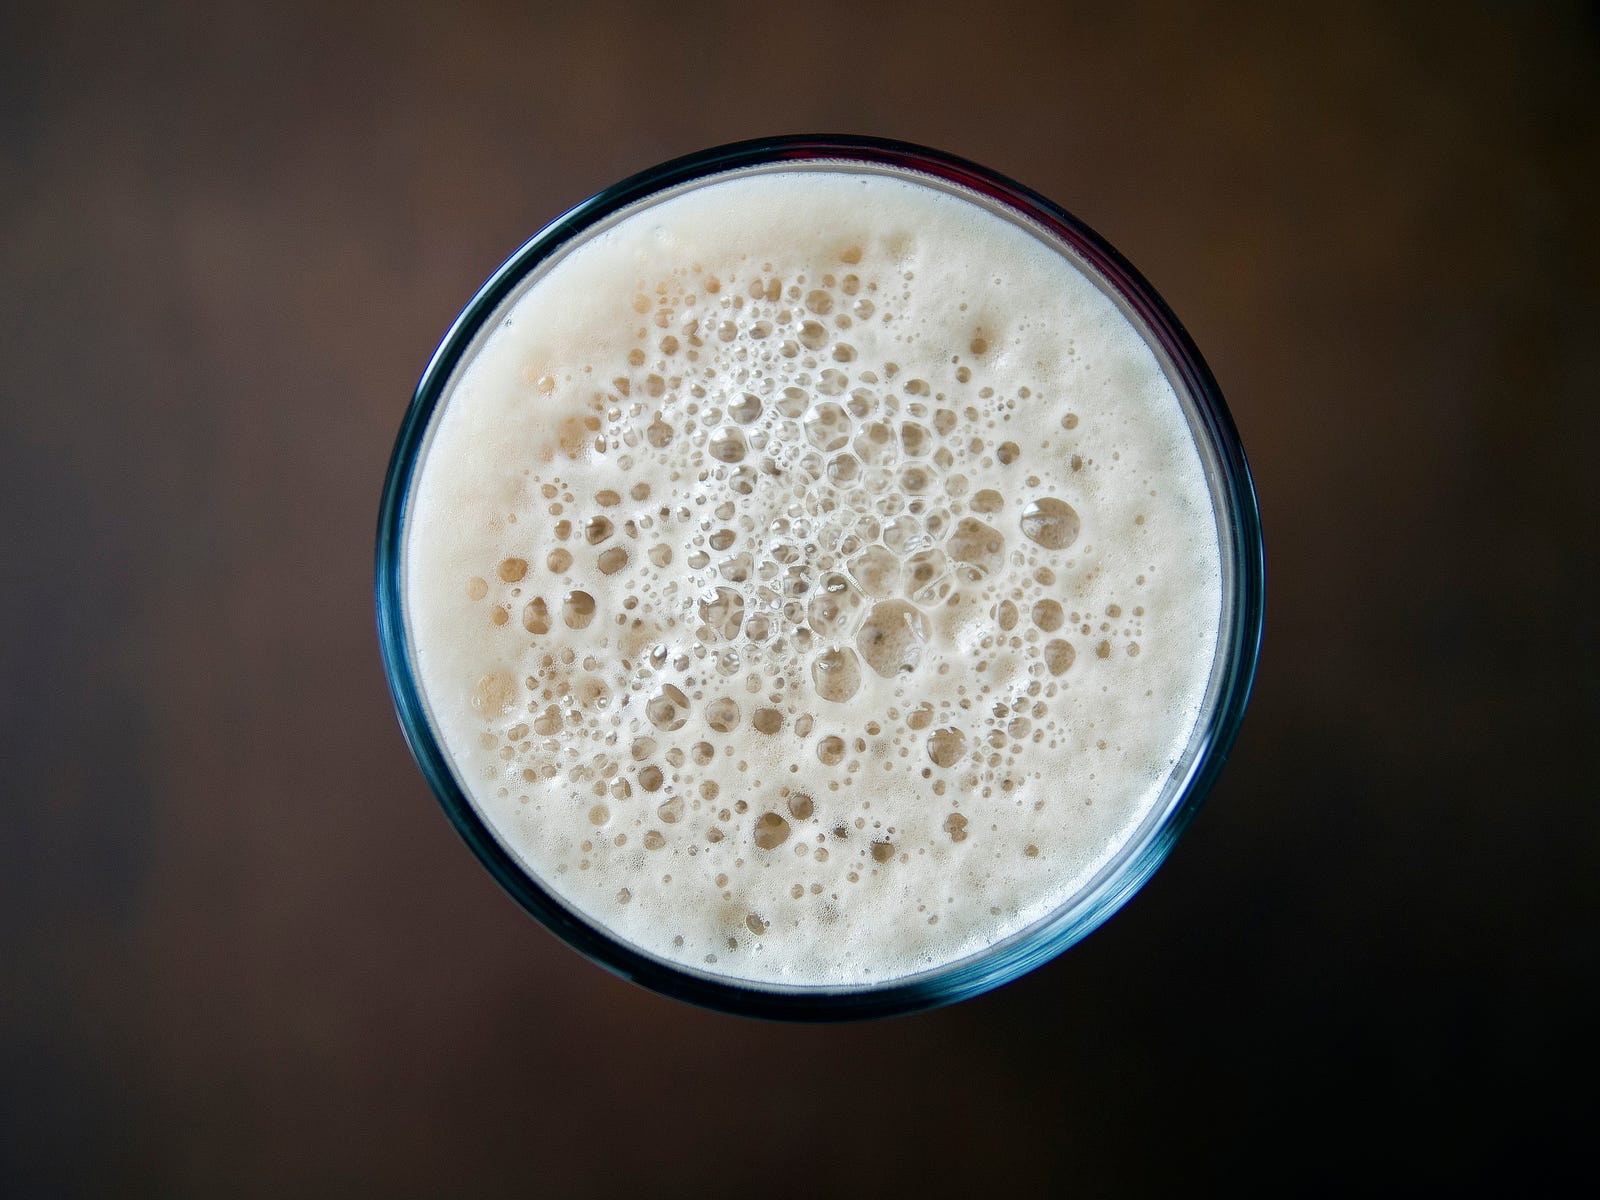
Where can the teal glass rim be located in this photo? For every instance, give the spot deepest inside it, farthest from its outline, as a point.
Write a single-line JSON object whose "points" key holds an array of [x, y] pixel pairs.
{"points": [[1233, 669]]}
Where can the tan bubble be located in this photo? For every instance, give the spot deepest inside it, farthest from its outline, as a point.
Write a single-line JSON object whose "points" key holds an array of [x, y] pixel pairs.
{"points": [[558, 560], [979, 545], [723, 715], [746, 409], [893, 637], [653, 840], [1058, 656], [1006, 615], [668, 709], [836, 674], [827, 426], [728, 445], [651, 778], [599, 815], [925, 576], [956, 826], [833, 608], [660, 554], [915, 439], [767, 720], [987, 501], [500, 614], [606, 498], [494, 694], [876, 570], [1047, 615], [577, 610], [920, 717], [722, 609], [770, 831], [882, 852], [477, 588], [670, 812], [597, 529], [536, 616], [801, 806], [831, 750], [1007, 453], [1103, 650], [1050, 522], [946, 746]]}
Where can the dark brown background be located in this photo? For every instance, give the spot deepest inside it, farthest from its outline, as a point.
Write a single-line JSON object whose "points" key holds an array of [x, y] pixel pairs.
{"points": [[243, 952]]}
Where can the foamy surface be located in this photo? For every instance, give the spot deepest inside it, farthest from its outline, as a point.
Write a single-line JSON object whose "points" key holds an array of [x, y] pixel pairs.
{"points": [[813, 578]]}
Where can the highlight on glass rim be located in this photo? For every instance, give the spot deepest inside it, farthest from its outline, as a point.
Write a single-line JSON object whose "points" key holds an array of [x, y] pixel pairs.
{"points": [[819, 578]]}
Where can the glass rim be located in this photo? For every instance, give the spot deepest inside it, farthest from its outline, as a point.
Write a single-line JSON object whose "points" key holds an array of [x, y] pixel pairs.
{"points": [[1233, 669]]}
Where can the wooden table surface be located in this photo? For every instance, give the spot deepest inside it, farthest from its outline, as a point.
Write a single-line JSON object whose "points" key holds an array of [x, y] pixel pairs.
{"points": [[241, 950]]}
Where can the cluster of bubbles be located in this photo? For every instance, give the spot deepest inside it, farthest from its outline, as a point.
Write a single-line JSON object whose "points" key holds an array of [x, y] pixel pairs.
{"points": [[801, 548]]}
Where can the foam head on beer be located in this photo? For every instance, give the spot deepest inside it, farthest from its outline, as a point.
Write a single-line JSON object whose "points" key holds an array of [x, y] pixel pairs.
{"points": [[812, 577]]}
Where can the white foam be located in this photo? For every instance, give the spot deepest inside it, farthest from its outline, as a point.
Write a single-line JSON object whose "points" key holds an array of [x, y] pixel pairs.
{"points": [[669, 768]]}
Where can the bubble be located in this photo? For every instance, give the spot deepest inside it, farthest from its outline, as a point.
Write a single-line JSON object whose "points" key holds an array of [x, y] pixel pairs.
{"points": [[836, 674], [946, 746], [874, 444], [651, 778], [1050, 522], [1006, 615], [660, 554], [926, 581], [770, 831], [477, 588], [1047, 615], [1007, 453], [597, 530], [599, 815], [494, 694], [535, 616], [893, 637], [987, 501], [670, 812], [754, 924], [746, 409], [801, 806], [722, 609], [844, 470], [668, 709], [723, 715], [979, 545], [1058, 656], [613, 560], [653, 840], [915, 440], [767, 720], [728, 445], [882, 852], [831, 750], [577, 610], [558, 560], [956, 826], [876, 570], [827, 426], [920, 717], [512, 569], [1103, 650], [834, 607]]}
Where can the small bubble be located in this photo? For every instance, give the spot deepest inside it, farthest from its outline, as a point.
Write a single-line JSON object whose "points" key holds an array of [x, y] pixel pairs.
{"points": [[946, 746], [770, 831], [1050, 522]]}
